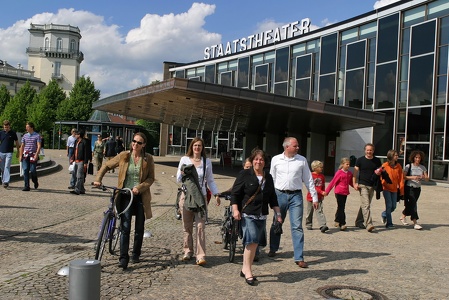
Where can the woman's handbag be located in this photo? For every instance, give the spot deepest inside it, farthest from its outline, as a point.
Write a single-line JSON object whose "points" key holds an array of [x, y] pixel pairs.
{"points": [[72, 167]]}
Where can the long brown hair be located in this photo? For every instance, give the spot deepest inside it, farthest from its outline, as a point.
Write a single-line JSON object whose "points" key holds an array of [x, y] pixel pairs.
{"points": [[190, 149]]}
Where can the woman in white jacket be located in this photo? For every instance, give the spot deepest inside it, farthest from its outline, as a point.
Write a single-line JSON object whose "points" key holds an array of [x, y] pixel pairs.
{"points": [[196, 155]]}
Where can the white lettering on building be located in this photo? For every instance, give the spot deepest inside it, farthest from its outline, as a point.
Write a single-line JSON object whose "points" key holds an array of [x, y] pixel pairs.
{"points": [[257, 40]]}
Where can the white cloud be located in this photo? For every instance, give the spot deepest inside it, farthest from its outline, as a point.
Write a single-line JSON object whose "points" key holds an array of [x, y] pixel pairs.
{"points": [[118, 63], [381, 3]]}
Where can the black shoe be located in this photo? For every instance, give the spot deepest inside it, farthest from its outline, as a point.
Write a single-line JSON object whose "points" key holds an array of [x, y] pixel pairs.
{"points": [[243, 275], [250, 280], [135, 259], [271, 254], [324, 229], [5, 185], [256, 258], [71, 187], [123, 263], [36, 185], [74, 192], [82, 193], [26, 189]]}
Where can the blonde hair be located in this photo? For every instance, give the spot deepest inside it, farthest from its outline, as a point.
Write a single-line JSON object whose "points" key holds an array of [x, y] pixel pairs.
{"points": [[316, 164], [343, 161]]}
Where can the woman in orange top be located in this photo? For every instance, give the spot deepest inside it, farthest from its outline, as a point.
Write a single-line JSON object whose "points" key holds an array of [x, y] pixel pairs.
{"points": [[390, 190]]}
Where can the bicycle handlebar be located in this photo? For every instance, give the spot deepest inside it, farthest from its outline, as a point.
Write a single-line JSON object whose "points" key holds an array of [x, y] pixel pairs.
{"points": [[124, 191]]}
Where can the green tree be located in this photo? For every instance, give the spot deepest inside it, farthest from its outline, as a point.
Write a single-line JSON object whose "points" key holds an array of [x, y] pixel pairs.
{"points": [[16, 111], [42, 112], [5, 97], [78, 106]]}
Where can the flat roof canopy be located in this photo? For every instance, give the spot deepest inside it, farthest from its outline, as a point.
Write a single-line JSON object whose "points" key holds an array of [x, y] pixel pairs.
{"points": [[206, 106]]}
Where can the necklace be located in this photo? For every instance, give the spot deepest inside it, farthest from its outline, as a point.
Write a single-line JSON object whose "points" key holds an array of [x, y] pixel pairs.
{"points": [[196, 159]]}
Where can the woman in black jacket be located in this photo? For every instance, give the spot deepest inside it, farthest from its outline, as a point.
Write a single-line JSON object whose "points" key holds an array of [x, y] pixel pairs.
{"points": [[252, 192]]}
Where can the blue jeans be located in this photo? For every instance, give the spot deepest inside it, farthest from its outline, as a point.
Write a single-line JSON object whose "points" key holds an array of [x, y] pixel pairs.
{"points": [[29, 168], [137, 210], [390, 206], [293, 203], [5, 166]]}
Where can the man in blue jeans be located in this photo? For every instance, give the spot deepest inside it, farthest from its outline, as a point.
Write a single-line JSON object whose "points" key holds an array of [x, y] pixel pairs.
{"points": [[29, 150], [290, 170], [7, 140]]}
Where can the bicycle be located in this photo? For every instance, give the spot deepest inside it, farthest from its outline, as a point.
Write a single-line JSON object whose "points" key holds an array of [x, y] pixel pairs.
{"points": [[230, 229], [110, 226]]}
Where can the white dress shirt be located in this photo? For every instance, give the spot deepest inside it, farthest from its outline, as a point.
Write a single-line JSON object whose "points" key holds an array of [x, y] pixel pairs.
{"points": [[290, 173]]}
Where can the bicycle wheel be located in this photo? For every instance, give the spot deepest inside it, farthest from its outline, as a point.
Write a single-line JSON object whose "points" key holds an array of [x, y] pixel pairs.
{"points": [[116, 234], [226, 229], [233, 239], [102, 237]]}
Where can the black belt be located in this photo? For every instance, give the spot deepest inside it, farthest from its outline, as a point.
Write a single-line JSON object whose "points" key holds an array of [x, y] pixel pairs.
{"points": [[289, 191]]}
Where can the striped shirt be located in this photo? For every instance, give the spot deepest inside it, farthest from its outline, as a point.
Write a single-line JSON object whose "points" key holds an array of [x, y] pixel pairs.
{"points": [[30, 141]]}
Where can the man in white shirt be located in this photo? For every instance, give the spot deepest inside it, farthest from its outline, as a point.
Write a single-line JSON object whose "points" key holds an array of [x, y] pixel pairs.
{"points": [[290, 170], [71, 140]]}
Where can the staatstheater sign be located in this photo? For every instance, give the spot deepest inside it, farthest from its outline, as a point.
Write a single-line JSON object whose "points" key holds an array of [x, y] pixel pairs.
{"points": [[257, 40]]}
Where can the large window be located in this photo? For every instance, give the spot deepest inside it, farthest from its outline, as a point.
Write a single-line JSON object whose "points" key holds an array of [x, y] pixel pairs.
{"points": [[328, 54], [243, 73], [385, 85], [387, 38], [327, 89], [210, 74], [281, 74], [303, 76], [262, 79], [355, 74]]}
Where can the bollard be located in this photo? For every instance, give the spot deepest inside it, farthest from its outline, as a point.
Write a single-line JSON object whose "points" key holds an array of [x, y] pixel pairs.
{"points": [[84, 279]]}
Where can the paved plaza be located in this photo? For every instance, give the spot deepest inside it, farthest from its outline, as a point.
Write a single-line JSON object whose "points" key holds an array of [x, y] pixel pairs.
{"points": [[43, 230]]}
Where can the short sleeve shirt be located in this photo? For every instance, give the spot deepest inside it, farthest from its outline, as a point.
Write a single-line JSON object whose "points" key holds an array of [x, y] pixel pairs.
{"points": [[7, 140]]}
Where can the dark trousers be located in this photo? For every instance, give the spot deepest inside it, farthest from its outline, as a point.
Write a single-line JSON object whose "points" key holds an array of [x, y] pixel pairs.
{"points": [[29, 168], [411, 196], [340, 216], [137, 210]]}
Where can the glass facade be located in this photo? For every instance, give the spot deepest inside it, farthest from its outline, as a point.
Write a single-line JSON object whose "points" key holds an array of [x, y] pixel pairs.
{"points": [[396, 63]]}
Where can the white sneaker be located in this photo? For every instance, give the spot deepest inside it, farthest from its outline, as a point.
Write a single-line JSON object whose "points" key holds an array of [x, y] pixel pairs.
{"points": [[418, 227], [403, 221]]}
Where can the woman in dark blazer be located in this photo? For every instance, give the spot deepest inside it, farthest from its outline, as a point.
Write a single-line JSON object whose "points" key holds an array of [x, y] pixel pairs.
{"points": [[252, 193]]}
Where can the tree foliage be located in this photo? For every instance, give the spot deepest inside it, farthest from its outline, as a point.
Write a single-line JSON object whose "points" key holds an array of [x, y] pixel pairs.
{"points": [[5, 97], [78, 106], [16, 110], [42, 112]]}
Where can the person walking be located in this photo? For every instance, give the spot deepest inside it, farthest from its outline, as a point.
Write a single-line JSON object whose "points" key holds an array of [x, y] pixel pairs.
{"points": [[98, 152], [252, 192], [71, 140], [320, 183], [81, 159], [8, 138], [196, 170], [414, 174], [136, 172], [341, 181], [363, 181], [29, 149], [290, 170], [391, 188], [110, 150]]}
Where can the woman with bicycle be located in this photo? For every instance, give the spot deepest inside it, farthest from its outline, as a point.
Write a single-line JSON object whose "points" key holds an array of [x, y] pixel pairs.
{"points": [[252, 192], [196, 157], [136, 172]]}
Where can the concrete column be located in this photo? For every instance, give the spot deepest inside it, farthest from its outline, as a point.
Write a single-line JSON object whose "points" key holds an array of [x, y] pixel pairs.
{"points": [[163, 140]]}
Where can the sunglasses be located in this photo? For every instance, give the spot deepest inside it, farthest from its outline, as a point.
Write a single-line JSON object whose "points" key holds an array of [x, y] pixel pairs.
{"points": [[138, 143]]}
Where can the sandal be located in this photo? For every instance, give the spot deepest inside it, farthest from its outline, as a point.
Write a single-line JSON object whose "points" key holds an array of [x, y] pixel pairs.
{"points": [[403, 221]]}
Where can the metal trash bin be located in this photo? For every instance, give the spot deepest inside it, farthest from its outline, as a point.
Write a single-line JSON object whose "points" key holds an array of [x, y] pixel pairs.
{"points": [[84, 279]]}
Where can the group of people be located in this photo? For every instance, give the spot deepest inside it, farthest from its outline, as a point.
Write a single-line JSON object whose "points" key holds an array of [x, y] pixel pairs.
{"points": [[280, 188], [255, 190]]}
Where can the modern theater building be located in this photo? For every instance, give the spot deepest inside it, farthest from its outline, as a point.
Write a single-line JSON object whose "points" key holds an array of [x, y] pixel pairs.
{"points": [[380, 77]]}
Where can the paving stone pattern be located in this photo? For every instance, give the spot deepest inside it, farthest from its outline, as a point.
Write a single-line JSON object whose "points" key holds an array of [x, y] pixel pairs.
{"points": [[43, 230]]}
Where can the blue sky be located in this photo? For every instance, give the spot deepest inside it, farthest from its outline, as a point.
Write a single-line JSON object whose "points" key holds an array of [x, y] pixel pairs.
{"points": [[125, 42]]}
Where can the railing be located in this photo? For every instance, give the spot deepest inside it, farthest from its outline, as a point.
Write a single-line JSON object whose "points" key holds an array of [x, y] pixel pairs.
{"points": [[16, 72], [54, 27]]}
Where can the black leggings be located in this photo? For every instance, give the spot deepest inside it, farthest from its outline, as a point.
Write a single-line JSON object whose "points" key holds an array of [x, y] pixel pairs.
{"points": [[340, 216], [410, 202]]}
